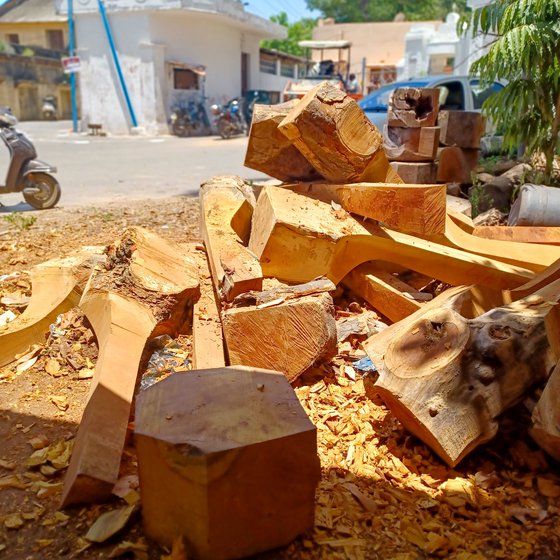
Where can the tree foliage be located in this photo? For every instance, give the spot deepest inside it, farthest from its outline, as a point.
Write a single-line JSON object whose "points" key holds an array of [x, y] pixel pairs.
{"points": [[347, 11], [526, 53], [299, 31]]}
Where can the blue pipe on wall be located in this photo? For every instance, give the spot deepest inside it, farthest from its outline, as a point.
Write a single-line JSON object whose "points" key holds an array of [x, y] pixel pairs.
{"points": [[117, 64], [73, 74]]}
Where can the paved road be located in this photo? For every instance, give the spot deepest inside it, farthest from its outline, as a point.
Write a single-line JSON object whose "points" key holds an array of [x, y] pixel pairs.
{"points": [[93, 170]]}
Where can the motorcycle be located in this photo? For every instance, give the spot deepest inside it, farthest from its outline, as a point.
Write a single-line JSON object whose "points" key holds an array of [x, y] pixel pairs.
{"points": [[190, 119], [229, 119], [49, 108], [26, 174]]}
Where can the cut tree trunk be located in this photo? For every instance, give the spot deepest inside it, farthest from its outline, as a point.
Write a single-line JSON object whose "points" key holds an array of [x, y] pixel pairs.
{"points": [[416, 209], [227, 458], [335, 136], [383, 291], [413, 107], [56, 287], [546, 417], [143, 292], [520, 234], [298, 239], [415, 173], [284, 334], [270, 151], [455, 165], [448, 378], [226, 206], [411, 144], [461, 128]]}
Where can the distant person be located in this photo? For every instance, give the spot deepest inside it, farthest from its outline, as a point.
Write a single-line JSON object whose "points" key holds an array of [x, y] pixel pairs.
{"points": [[352, 85]]}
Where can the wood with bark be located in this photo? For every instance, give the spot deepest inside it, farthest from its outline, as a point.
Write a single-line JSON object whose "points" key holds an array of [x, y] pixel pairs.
{"points": [[448, 378], [208, 339], [298, 238], [461, 128], [531, 257], [413, 107], [56, 287], [411, 144], [287, 335], [335, 136], [520, 234], [455, 165], [415, 173], [546, 417], [143, 291], [383, 291], [228, 459], [270, 151], [416, 209], [226, 206]]}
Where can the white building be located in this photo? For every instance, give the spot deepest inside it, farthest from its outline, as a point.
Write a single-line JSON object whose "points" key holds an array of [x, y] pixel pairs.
{"points": [[169, 51]]}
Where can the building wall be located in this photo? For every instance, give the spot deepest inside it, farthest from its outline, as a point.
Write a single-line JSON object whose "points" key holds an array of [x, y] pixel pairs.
{"points": [[33, 33]]}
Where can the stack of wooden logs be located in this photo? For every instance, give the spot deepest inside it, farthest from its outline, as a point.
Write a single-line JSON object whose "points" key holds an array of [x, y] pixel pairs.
{"points": [[214, 445], [426, 145]]}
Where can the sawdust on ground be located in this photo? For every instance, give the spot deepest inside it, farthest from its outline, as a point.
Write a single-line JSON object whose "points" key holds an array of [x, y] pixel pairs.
{"points": [[383, 494]]}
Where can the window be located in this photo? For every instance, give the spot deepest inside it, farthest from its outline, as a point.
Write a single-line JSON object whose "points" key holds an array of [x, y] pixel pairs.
{"points": [[13, 38], [451, 98], [287, 69], [55, 39], [480, 95], [184, 78], [267, 65]]}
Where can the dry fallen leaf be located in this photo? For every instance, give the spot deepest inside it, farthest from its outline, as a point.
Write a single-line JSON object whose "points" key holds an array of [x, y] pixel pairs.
{"points": [[85, 373], [52, 367], [12, 481], [138, 549], [60, 402], [548, 488], [13, 521], [24, 366], [367, 503], [39, 442], [109, 524]]}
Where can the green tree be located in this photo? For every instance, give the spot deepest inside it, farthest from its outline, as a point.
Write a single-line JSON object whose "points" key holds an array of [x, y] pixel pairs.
{"points": [[346, 11], [525, 52], [299, 31]]}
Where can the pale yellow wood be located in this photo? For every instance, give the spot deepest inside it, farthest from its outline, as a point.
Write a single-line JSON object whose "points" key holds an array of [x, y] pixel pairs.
{"points": [[297, 239], [520, 234], [448, 378], [538, 282], [335, 136], [411, 144], [412, 107], [226, 209], [463, 221], [455, 165], [289, 335], [56, 287], [409, 208], [532, 257], [383, 291], [128, 301], [270, 151]]}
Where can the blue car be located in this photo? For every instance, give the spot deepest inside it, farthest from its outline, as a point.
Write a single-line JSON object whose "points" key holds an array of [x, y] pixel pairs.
{"points": [[463, 93]]}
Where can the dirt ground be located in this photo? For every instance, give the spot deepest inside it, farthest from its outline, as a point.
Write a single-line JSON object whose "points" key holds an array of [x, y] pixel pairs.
{"points": [[383, 494]]}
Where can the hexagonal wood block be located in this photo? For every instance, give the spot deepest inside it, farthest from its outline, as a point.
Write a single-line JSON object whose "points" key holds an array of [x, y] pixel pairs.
{"points": [[227, 459]]}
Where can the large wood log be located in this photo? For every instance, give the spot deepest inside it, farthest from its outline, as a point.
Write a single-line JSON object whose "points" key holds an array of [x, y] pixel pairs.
{"points": [[531, 257], [226, 207], [56, 287], [546, 417], [413, 107], [298, 238], [333, 133], [227, 459], [520, 234], [384, 292], [416, 209], [411, 144], [455, 165], [461, 128], [285, 334], [270, 151], [422, 173], [143, 292], [448, 378]]}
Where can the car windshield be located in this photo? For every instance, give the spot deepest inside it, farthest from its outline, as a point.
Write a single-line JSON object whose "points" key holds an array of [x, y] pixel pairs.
{"points": [[379, 99]]}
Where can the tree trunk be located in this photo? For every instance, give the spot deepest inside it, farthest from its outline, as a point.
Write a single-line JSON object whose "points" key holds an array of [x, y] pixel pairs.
{"points": [[554, 140]]}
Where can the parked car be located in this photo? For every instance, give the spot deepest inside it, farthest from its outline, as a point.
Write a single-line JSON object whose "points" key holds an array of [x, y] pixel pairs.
{"points": [[463, 93]]}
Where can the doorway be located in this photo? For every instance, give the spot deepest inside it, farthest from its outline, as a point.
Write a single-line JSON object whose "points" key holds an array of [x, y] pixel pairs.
{"points": [[244, 73]]}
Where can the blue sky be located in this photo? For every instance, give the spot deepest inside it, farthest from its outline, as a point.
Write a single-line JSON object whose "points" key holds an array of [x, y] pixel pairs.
{"points": [[296, 9]]}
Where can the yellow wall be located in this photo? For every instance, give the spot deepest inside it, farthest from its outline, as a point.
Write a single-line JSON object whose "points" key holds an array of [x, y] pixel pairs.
{"points": [[32, 33]]}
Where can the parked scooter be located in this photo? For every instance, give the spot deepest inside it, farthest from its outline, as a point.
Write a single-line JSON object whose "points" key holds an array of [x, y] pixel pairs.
{"points": [[49, 108], [190, 119], [229, 119], [26, 174]]}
